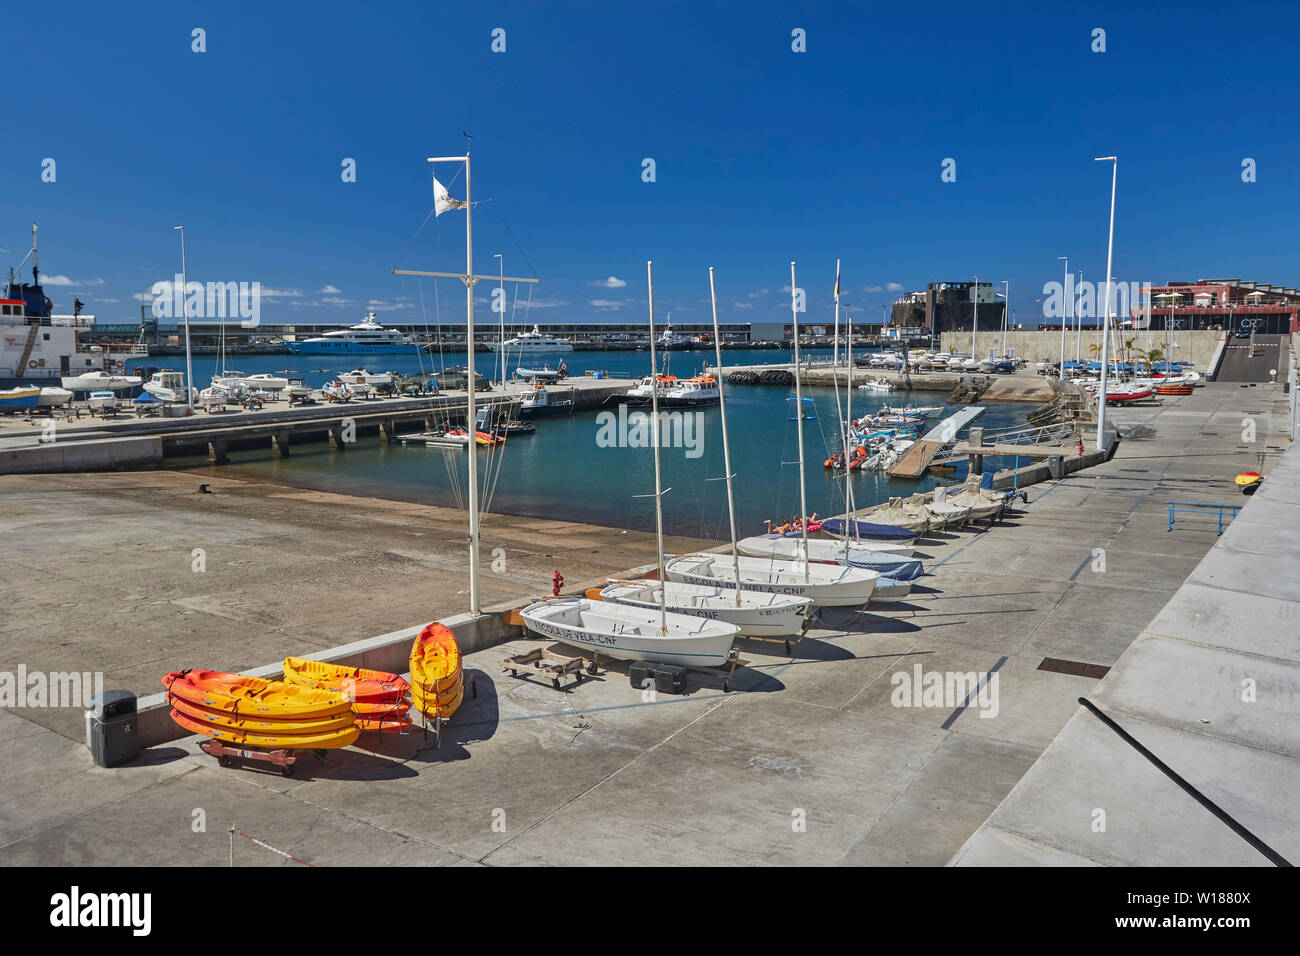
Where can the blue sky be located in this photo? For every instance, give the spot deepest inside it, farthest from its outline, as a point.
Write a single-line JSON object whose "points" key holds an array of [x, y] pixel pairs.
{"points": [[762, 154]]}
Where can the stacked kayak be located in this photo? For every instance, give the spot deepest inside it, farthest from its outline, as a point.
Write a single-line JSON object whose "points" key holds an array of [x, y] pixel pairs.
{"points": [[437, 680], [238, 709], [380, 701]]}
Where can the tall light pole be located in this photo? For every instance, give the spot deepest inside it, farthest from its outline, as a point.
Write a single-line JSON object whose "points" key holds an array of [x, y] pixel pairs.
{"points": [[975, 319], [1105, 320], [1006, 313], [1065, 283], [189, 369]]}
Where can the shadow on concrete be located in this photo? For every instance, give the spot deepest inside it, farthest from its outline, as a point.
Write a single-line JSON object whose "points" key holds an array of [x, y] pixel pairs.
{"points": [[847, 621], [154, 757]]}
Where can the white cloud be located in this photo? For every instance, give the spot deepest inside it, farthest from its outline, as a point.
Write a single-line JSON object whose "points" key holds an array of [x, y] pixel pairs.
{"points": [[760, 292], [143, 296], [548, 303], [887, 287], [613, 282], [270, 292], [334, 300], [98, 299], [742, 305], [607, 305], [64, 280], [329, 290]]}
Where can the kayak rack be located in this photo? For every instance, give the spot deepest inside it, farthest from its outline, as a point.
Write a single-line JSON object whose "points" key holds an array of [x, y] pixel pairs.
{"points": [[552, 665], [226, 755]]}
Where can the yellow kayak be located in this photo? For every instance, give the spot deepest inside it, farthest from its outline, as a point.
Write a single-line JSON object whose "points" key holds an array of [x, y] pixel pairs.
{"points": [[436, 680], [234, 722], [252, 696], [328, 740], [357, 683]]}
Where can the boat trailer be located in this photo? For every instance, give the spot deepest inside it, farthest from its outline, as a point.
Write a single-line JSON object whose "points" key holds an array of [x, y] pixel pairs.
{"points": [[549, 664], [281, 757]]}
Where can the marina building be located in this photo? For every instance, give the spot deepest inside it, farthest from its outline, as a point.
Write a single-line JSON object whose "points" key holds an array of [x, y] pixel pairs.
{"points": [[1221, 304]]}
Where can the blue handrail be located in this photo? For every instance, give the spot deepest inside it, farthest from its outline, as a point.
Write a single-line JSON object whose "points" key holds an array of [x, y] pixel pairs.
{"points": [[1201, 507]]}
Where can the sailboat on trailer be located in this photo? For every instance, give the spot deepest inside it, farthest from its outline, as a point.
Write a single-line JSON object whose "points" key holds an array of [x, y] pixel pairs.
{"points": [[633, 631], [828, 585], [756, 613]]}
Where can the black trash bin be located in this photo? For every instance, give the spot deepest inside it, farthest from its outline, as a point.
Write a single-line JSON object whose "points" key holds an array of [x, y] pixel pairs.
{"points": [[1056, 466], [111, 730]]}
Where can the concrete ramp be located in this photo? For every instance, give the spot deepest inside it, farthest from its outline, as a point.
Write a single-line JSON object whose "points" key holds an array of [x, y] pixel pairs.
{"points": [[917, 459]]}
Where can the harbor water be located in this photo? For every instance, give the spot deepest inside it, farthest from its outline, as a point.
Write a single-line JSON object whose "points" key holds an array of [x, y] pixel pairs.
{"points": [[584, 468]]}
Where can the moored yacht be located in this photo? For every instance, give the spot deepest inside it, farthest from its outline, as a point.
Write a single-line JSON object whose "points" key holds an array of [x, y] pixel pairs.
{"points": [[534, 341], [364, 338]]}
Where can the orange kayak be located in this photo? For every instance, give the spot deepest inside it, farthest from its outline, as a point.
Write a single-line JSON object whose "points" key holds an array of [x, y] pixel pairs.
{"points": [[235, 722], [252, 696], [327, 740], [436, 682], [356, 683]]}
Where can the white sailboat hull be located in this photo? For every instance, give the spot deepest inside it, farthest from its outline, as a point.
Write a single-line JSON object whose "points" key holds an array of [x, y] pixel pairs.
{"points": [[631, 633], [822, 549], [827, 585], [758, 614]]}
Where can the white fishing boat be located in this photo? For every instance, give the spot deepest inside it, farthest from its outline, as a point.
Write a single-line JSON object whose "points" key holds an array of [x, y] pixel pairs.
{"points": [[167, 385], [700, 390], [99, 381], [756, 614], [629, 633], [876, 385], [540, 403]]}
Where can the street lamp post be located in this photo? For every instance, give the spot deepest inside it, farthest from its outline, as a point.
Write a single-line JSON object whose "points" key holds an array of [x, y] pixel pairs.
{"points": [[1105, 320], [1065, 306]]}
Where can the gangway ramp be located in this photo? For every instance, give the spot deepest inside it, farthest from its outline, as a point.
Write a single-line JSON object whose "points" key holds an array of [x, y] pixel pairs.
{"points": [[917, 459]]}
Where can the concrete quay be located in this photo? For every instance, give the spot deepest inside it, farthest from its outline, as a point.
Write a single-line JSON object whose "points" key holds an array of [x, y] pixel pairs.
{"points": [[1023, 386], [810, 759]]}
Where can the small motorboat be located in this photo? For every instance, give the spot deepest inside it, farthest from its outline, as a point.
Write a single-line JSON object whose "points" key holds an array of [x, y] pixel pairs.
{"points": [[539, 404], [267, 383], [1125, 395], [168, 385], [105, 401], [338, 391], [876, 385]]}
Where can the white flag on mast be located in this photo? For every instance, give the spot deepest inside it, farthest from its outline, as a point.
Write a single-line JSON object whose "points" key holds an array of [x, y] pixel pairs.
{"points": [[442, 201]]}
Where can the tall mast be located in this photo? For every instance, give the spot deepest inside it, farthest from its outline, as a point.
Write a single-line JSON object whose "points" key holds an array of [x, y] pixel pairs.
{"points": [[470, 280], [798, 417], [185, 307], [848, 433], [654, 431], [726, 447], [501, 297]]}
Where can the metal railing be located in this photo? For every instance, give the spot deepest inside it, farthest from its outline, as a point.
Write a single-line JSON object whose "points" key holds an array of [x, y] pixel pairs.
{"points": [[1039, 435], [1202, 507]]}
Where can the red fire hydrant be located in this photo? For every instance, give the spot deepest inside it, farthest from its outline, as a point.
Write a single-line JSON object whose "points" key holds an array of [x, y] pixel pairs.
{"points": [[557, 582]]}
